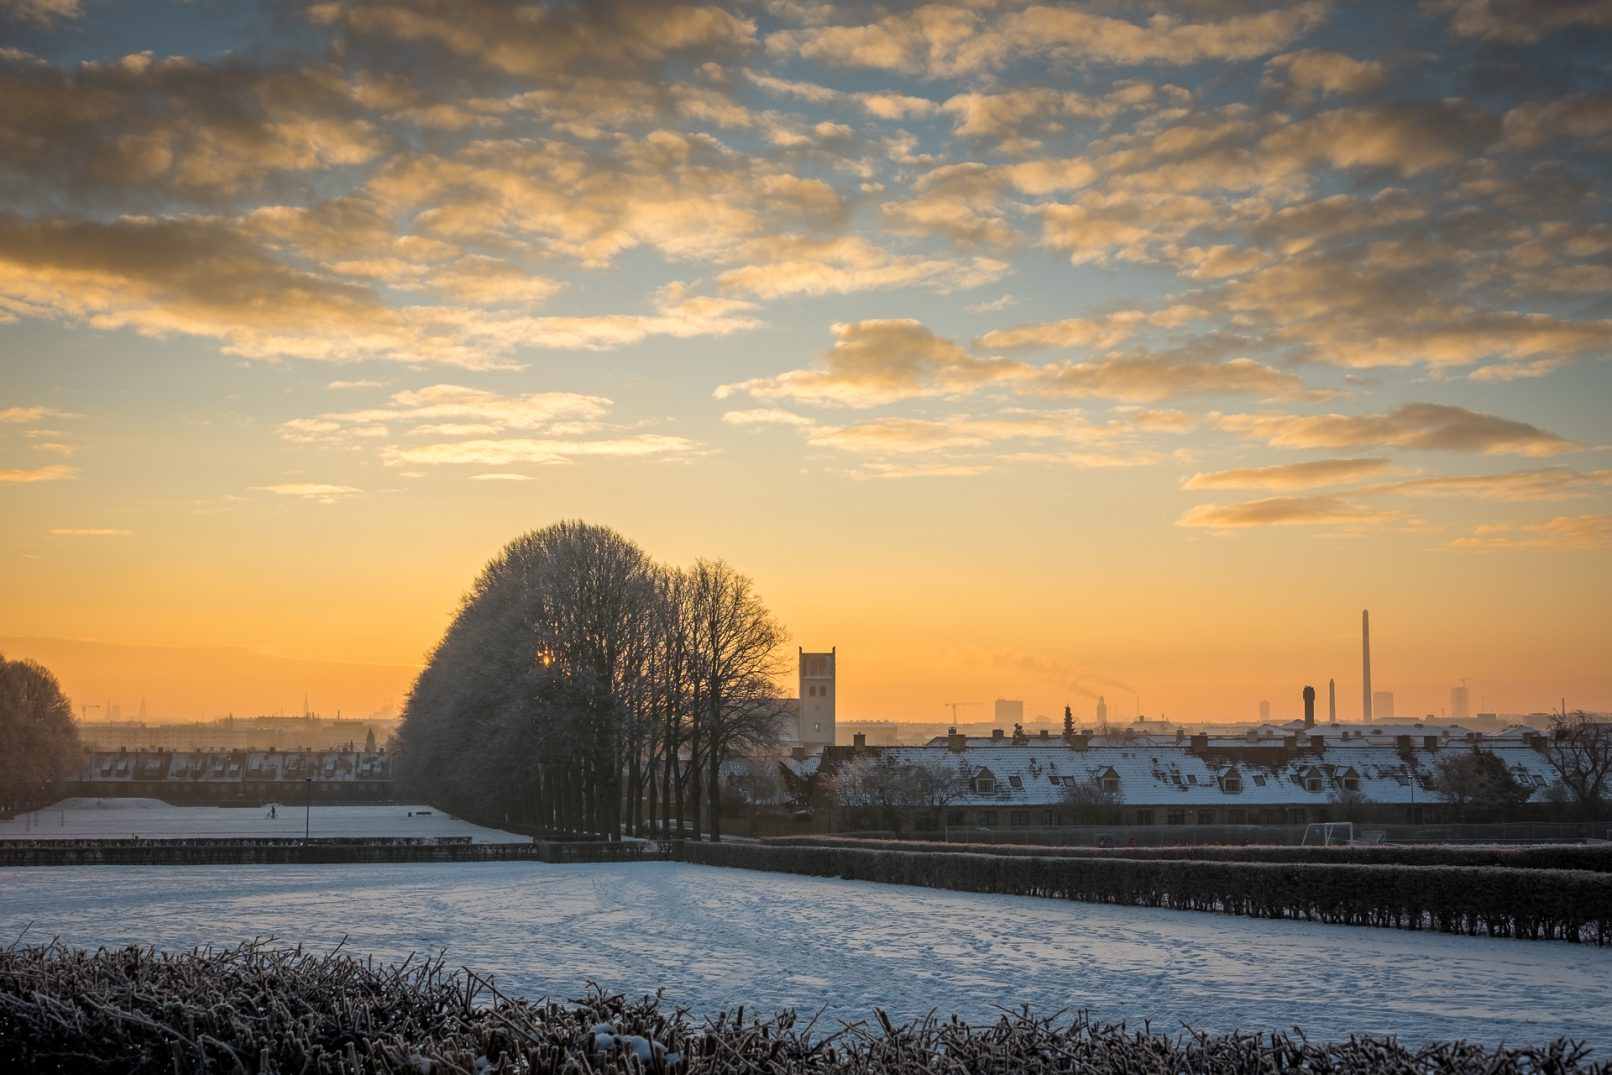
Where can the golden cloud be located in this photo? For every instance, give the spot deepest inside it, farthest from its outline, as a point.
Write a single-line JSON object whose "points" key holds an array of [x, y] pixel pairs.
{"points": [[1418, 426], [1285, 511], [55, 473], [1562, 532], [1311, 475]]}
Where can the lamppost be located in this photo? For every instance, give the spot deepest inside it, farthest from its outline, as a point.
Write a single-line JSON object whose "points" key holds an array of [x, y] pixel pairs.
{"points": [[307, 821]]}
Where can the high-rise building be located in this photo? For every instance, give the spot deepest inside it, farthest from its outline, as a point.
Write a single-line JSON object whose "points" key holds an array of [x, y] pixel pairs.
{"points": [[1460, 704], [1102, 712], [1264, 712], [817, 699], [1332, 701], [1382, 705], [1009, 712]]}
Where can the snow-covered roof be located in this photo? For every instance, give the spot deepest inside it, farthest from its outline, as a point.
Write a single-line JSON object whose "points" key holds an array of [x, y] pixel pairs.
{"points": [[234, 765], [1172, 774]]}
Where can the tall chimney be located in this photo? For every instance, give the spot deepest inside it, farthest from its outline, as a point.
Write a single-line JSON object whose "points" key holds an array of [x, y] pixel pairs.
{"points": [[1309, 707], [1332, 701], [1365, 663]]}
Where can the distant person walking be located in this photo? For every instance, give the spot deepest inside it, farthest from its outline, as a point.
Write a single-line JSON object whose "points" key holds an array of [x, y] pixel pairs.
{"points": [[272, 813]]}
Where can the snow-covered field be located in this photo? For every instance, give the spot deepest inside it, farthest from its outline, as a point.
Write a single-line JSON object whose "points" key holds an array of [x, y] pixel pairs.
{"points": [[716, 938], [155, 819]]}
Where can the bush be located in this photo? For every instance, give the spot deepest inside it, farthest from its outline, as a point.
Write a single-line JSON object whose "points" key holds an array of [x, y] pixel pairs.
{"points": [[1596, 859], [275, 1010], [1536, 904]]}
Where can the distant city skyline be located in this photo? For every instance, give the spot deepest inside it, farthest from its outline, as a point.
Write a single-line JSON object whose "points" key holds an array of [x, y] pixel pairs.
{"points": [[1022, 351]]}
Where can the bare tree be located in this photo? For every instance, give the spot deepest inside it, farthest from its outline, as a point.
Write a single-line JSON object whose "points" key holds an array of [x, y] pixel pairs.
{"points": [[1088, 800], [735, 661], [38, 740], [1580, 750]]}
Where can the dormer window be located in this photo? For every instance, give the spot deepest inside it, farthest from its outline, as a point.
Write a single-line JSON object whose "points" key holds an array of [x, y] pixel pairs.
{"points": [[1312, 782], [1231, 783], [985, 785], [1350, 780], [1110, 783]]}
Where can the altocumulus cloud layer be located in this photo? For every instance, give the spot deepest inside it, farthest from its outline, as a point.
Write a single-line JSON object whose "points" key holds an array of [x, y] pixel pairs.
{"points": [[1335, 242]]}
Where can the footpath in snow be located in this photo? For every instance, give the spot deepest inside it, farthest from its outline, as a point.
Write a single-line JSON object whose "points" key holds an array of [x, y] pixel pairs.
{"points": [[715, 939]]}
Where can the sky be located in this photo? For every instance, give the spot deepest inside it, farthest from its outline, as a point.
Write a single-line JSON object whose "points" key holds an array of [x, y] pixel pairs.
{"points": [[1014, 350]]}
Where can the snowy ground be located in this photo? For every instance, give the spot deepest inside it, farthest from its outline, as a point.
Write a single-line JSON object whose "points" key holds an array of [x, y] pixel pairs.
{"points": [[155, 819], [717, 938]]}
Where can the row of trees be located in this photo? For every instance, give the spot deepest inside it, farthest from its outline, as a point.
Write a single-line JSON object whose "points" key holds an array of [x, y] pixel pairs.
{"points": [[38, 740], [583, 687]]}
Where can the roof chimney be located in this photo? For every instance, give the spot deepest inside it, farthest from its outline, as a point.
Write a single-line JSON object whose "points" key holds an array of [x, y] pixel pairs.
{"points": [[1309, 707], [996, 734], [955, 742], [859, 741]]}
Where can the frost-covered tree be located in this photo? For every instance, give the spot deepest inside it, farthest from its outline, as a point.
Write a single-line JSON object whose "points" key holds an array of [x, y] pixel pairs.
{"points": [[1477, 785], [38, 740], [582, 687]]}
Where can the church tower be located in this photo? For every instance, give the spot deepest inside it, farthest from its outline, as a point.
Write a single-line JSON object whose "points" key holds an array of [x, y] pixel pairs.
{"points": [[817, 699]]}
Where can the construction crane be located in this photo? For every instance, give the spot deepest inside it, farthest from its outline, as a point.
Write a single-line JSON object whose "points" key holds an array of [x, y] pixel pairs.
{"points": [[84, 710], [954, 706]]}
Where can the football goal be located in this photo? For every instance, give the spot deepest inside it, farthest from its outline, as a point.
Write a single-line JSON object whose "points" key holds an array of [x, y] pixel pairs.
{"points": [[1329, 834]]}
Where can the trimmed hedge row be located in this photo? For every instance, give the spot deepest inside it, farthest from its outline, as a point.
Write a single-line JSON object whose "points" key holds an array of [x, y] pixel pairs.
{"points": [[1570, 905], [1595, 859], [278, 1011]]}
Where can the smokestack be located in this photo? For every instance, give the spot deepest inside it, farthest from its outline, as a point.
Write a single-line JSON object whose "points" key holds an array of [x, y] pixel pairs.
{"points": [[1365, 663], [1332, 701], [1309, 707]]}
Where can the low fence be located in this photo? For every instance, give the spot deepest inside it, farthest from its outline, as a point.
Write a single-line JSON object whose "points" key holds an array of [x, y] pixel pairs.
{"points": [[1570, 905]]}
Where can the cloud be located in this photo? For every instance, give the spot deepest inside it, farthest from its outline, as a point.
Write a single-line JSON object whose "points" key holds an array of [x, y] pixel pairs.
{"points": [[793, 265], [878, 362], [1285, 511], [88, 532], [501, 477], [323, 493], [1520, 22], [1551, 483], [57, 472], [342, 386], [507, 451], [1579, 115], [1311, 71], [941, 41], [173, 123], [1418, 426], [1147, 378], [1562, 532], [548, 44], [1311, 475], [443, 406], [33, 415]]}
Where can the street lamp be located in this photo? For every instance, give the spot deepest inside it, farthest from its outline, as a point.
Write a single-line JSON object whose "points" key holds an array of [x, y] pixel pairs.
{"points": [[307, 821]]}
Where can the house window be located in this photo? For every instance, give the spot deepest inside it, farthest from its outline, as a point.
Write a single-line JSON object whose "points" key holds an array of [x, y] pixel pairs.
{"points": [[1175, 817], [1015, 781], [1144, 817], [954, 817], [1019, 819], [986, 819], [1232, 784], [1312, 784], [1206, 817], [985, 785], [1351, 783], [1049, 817], [1110, 783], [1237, 815]]}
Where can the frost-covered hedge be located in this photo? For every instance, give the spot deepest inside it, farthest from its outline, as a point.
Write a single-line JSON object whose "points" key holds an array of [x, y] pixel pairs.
{"points": [[1596, 859], [258, 1009], [1571, 905]]}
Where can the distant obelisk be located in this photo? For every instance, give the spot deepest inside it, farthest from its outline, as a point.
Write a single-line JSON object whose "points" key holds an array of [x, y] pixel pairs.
{"points": [[1332, 701], [1365, 662]]}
